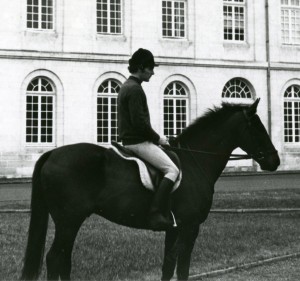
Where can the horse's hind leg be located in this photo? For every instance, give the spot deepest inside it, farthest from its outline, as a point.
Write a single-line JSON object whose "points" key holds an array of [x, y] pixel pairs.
{"points": [[59, 256], [170, 254]]}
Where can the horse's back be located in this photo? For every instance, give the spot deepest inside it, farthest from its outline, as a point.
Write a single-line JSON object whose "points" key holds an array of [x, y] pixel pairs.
{"points": [[77, 153]]}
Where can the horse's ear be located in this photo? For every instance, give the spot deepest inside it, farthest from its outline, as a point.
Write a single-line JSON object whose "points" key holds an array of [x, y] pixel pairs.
{"points": [[252, 109]]}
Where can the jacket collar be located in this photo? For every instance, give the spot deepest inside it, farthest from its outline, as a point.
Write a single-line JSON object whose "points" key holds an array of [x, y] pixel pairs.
{"points": [[135, 79]]}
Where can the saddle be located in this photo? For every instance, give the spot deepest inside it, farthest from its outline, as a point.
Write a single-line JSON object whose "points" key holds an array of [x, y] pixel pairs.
{"points": [[150, 176]]}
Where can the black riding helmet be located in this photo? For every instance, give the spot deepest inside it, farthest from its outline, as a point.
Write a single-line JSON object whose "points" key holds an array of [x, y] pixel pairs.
{"points": [[142, 58]]}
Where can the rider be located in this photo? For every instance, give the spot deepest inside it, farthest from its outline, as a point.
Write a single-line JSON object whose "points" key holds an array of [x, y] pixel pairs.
{"points": [[137, 134]]}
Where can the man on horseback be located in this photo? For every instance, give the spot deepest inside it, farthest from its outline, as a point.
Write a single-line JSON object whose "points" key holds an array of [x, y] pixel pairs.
{"points": [[138, 136]]}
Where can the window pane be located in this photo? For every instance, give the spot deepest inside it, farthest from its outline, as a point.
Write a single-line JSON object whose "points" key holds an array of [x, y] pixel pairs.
{"points": [[109, 16], [173, 19], [40, 14], [292, 114], [290, 23], [236, 88], [234, 21], [107, 111], [31, 116]]}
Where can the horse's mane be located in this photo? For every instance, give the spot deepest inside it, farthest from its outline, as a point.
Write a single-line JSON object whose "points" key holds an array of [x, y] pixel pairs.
{"points": [[212, 118]]}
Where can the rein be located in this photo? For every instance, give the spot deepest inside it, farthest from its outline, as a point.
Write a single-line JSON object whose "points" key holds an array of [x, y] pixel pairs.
{"points": [[256, 156], [232, 156]]}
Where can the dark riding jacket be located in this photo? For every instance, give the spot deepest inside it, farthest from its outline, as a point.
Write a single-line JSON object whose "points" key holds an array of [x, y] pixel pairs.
{"points": [[133, 114]]}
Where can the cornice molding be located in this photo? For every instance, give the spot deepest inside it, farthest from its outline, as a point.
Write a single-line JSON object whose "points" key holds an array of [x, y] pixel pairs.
{"points": [[123, 59]]}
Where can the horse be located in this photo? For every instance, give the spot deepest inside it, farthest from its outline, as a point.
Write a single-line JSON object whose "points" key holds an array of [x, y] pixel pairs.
{"points": [[74, 181]]}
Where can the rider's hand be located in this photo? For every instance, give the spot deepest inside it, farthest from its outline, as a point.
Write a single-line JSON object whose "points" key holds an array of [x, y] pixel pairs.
{"points": [[163, 141]]}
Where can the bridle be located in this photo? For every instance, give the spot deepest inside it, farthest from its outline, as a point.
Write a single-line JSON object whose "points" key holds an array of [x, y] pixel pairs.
{"points": [[258, 156]]}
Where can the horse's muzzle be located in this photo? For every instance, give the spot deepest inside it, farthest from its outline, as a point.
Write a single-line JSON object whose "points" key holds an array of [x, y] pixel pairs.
{"points": [[270, 162]]}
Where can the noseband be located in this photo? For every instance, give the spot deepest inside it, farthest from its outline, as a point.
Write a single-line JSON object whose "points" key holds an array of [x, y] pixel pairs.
{"points": [[260, 155]]}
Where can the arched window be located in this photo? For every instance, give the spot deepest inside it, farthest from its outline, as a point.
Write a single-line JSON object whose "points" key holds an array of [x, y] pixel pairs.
{"points": [[175, 109], [107, 111], [40, 103], [237, 89], [292, 114]]}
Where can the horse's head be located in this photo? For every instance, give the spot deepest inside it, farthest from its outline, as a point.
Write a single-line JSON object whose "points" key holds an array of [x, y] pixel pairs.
{"points": [[255, 140], [224, 128]]}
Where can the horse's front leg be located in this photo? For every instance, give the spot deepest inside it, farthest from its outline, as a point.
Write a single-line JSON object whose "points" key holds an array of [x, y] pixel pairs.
{"points": [[186, 241], [170, 254]]}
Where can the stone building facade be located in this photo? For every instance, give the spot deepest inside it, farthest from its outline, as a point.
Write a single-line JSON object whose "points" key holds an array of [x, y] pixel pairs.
{"points": [[62, 62]]}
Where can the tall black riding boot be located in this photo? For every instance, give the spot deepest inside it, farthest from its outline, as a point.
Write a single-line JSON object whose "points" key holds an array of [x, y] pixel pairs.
{"points": [[157, 221]]}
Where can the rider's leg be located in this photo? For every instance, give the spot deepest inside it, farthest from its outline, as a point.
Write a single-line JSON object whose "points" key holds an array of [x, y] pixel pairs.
{"points": [[157, 219], [155, 156]]}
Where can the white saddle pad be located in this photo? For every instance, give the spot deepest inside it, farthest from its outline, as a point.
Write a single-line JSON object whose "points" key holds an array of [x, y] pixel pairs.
{"points": [[144, 173]]}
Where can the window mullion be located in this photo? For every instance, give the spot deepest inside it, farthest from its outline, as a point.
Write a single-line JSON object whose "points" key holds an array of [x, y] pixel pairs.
{"points": [[293, 121], [233, 22], [40, 14], [290, 26], [174, 118], [174, 110], [109, 110], [109, 117], [173, 18], [39, 119], [185, 19], [39, 106], [108, 17]]}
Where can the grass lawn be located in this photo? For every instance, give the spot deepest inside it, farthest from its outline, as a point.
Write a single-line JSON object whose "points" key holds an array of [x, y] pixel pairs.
{"points": [[277, 198], [106, 251]]}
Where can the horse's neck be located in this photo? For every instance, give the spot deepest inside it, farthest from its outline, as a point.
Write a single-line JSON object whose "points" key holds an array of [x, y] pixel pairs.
{"points": [[209, 156]]}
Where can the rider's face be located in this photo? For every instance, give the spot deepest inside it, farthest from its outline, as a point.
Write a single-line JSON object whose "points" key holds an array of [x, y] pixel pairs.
{"points": [[147, 73]]}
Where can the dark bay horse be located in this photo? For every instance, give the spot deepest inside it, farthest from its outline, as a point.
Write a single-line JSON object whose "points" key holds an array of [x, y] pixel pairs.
{"points": [[72, 182]]}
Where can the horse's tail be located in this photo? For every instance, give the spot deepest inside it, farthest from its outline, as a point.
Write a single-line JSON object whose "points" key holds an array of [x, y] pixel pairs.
{"points": [[38, 225]]}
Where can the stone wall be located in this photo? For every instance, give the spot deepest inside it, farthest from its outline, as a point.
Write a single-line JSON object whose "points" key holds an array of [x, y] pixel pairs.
{"points": [[77, 60]]}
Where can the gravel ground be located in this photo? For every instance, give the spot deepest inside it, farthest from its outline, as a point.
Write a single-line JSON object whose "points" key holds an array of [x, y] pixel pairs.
{"points": [[22, 191], [288, 270]]}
